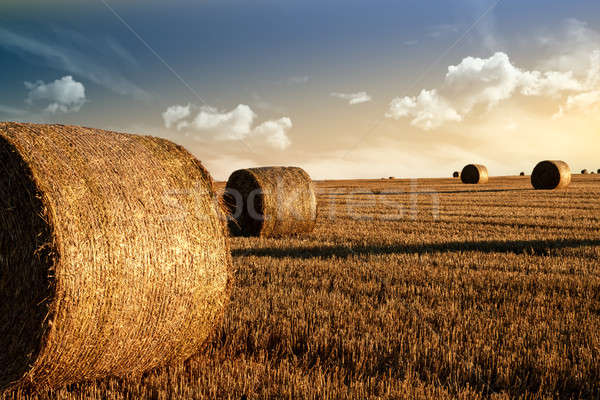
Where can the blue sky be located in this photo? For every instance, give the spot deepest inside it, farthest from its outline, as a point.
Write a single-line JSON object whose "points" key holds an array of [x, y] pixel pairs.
{"points": [[346, 89]]}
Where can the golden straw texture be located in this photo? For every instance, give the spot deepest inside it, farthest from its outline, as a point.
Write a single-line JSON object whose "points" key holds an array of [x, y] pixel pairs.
{"points": [[548, 175], [474, 174], [113, 255], [271, 202]]}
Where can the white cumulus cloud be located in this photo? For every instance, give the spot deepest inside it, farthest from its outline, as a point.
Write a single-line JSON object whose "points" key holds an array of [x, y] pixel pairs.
{"points": [[233, 125], [483, 82], [175, 114], [353, 98], [64, 94], [276, 132], [237, 124], [429, 110]]}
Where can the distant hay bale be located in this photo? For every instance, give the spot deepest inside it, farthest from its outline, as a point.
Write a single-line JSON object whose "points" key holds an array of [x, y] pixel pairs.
{"points": [[522, 174], [474, 174], [456, 174], [113, 255], [391, 177], [548, 175], [584, 172], [271, 202]]}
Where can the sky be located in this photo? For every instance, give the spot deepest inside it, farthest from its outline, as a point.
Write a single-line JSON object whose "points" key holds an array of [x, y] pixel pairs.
{"points": [[341, 88]]}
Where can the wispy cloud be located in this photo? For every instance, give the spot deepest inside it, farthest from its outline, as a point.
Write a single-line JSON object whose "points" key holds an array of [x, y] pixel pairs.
{"points": [[261, 103], [353, 98], [588, 102], [11, 110], [292, 80], [574, 46], [121, 52], [70, 59], [298, 80], [436, 31]]}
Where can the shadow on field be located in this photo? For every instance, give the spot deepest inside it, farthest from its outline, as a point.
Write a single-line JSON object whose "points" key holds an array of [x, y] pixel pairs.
{"points": [[534, 247], [384, 193]]}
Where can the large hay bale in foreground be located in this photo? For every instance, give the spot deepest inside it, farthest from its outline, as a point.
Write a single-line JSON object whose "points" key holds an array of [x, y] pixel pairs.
{"points": [[271, 202], [474, 174], [113, 255], [548, 175]]}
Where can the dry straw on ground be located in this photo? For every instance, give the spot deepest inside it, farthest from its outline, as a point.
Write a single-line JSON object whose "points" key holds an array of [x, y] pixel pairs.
{"points": [[113, 255], [548, 175], [271, 202], [474, 174]]}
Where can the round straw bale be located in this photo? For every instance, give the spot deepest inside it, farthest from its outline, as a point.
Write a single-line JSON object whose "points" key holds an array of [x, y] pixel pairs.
{"points": [[271, 202], [113, 255], [598, 171], [456, 174], [548, 175], [522, 174], [584, 172], [474, 174]]}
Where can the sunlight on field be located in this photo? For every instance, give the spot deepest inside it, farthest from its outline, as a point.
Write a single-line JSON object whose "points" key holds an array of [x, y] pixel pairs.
{"points": [[422, 289]]}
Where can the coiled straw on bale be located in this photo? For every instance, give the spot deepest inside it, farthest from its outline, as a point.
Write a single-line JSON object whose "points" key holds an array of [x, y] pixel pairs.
{"points": [[271, 201], [474, 174], [548, 175], [113, 255]]}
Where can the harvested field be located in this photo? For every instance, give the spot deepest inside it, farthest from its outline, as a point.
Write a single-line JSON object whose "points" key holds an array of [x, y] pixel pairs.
{"points": [[428, 289]]}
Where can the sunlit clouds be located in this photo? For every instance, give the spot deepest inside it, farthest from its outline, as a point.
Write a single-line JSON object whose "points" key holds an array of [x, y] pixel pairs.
{"points": [[236, 124]]}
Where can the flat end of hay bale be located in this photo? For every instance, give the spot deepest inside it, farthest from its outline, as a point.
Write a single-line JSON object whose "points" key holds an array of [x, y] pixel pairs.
{"points": [[550, 175], [474, 174], [270, 202]]}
